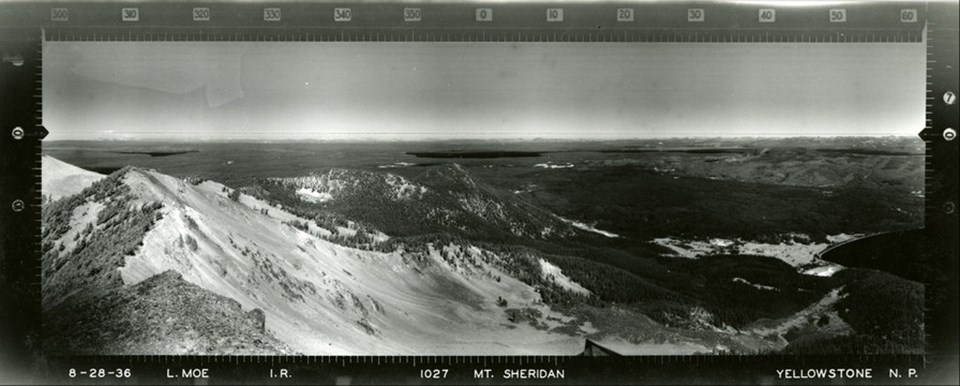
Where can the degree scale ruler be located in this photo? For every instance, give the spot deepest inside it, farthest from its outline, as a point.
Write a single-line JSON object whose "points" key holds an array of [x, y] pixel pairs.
{"points": [[24, 26], [438, 22]]}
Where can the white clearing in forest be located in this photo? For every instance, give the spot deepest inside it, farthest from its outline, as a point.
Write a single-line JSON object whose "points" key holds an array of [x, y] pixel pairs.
{"points": [[798, 254], [688, 249], [554, 273], [795, 254], [310, 195]]}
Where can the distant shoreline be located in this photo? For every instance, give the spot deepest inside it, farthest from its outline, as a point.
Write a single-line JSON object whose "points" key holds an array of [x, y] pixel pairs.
{"points": [[156, 153], [476, 154]]}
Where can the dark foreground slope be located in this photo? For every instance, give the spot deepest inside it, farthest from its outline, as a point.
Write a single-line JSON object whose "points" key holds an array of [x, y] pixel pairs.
{"points": [[125, 322], [885, 311], [926, 257]]}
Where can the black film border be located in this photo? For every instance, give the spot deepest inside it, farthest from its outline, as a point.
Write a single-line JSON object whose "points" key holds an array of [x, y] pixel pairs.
{"points": [[24, 27]]}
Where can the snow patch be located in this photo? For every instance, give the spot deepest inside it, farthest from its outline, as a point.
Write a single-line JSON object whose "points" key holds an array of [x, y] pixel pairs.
{"points": [[834, 239], [588, 228], [757, 286], [396, 165], [551, 165], [823, 271]]}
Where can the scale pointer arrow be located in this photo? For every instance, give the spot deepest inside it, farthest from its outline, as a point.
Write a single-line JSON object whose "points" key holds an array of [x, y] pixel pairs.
{"points": [[40, 133]]}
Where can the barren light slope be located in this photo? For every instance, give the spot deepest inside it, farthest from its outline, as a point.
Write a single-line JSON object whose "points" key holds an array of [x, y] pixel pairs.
{"points": [[61, 179]]}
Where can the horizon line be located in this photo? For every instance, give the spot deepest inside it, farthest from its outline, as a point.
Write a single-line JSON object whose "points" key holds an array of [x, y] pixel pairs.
{"points": [[516, 139]]}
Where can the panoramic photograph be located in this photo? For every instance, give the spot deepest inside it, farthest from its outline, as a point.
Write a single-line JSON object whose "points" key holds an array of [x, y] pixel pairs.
{"points": [[240, 198]]}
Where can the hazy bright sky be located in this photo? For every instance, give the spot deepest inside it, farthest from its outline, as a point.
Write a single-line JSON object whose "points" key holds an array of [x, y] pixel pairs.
{"points": [[230, 90]]}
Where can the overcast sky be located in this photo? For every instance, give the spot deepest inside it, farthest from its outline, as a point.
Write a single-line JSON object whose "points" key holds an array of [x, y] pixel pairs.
{"points": [[230, 90]]}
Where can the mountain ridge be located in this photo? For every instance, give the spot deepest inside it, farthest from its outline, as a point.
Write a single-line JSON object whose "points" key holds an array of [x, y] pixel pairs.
{"points": [[317, 296]]}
